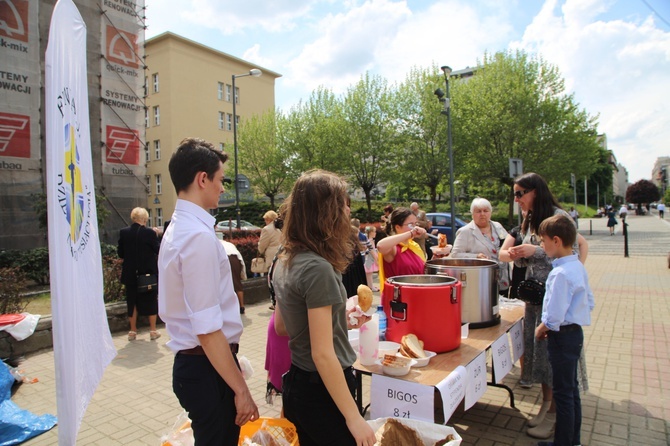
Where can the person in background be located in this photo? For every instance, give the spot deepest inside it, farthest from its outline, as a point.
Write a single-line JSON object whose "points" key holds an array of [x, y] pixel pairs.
{"points": [[371, 260], [623, 212], [354, 275], [611, 219], [387, 216], [482, 239], [237, 269], [138, 247], [197, 301], [277, 351], [399, 254], [270, 239], [661, 210], [574, 215], [532, 194], [567, 307], [422, 222], [318, 243]]}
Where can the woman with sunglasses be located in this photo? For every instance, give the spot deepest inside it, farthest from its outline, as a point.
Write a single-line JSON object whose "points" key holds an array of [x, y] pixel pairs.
{"points": [[537, 203], [399, 254]]}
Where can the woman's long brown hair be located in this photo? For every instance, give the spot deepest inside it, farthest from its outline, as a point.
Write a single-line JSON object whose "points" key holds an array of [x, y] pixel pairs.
{"points": [[315, 220]]}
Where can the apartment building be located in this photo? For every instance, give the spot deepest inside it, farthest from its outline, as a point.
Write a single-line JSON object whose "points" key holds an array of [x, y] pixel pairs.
{"points": [[190, 94]]}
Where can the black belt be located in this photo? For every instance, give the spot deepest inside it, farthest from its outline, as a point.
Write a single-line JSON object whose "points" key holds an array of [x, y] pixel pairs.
{"points": [[569, 327], [199, 351]]}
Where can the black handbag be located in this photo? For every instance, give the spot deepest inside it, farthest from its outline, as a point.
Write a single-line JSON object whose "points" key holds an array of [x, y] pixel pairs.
{"points": [[146, 283], [531, 291]]}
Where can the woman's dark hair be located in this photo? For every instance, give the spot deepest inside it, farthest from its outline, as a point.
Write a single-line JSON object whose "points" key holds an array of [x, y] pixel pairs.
{"points": [[388, 208], [543, 204], [397, 218], [192, 156], [279, 222]]}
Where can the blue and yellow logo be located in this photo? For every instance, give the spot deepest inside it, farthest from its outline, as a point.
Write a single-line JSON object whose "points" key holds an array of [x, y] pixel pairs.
{"points": [[74, 205]]}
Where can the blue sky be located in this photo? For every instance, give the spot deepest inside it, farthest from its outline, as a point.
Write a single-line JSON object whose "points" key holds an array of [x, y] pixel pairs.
{"points": [[613, 54]]}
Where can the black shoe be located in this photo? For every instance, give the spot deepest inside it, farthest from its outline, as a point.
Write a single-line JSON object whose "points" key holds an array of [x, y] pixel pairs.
{"points": [[241, 310]]}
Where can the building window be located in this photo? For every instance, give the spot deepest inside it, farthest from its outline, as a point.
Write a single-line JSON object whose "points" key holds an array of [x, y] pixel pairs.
{"points": [[221, 146], [221, 120], [154, 79], [159, 184], [219, 91], [157, 149], [149, 219], [237, 121], [157, 116], [159, 217], [228, 89], [146, 117], [229, 121], [146, 86], [147, 179], [237, 95], [146, 153]]}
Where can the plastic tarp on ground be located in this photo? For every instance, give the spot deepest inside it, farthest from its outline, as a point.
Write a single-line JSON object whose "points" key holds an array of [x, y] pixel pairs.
{"points": [[16, 425]]}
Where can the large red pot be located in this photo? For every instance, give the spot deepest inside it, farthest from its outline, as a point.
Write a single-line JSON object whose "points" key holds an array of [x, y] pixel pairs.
{"points": [[428, 306]]}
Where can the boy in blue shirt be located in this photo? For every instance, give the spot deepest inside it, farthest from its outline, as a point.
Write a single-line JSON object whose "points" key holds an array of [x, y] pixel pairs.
{"points": [[567, 306]]}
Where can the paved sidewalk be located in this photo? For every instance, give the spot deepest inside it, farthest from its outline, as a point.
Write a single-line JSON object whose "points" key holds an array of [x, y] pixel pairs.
{"points": [[626, 348]]}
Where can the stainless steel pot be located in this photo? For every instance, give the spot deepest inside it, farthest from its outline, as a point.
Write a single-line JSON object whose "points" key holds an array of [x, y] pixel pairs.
{"points": [[479, 295]]}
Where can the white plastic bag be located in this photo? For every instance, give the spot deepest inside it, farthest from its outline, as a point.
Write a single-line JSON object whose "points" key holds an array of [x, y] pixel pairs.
{"points": [[181, 433], [245, 367]]}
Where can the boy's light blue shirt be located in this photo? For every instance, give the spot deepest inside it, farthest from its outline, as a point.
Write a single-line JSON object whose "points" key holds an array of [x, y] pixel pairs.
{"points": [[568, 298]]}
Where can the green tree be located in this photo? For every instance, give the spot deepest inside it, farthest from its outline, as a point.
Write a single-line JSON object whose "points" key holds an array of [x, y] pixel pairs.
{"points": [[261, 154], [515, 106], [311, 132], [370, 134], [424, 134]]}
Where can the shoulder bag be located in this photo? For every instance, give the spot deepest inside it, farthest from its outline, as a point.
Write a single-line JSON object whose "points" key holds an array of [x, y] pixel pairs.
{"points": [[258, 265], [531, 291]]}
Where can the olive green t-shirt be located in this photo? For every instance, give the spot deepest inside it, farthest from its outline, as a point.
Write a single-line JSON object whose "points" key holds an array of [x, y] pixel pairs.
{"points": [[311, 282]]}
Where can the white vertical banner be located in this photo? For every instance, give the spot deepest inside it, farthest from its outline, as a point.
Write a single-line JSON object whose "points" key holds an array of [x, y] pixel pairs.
{"points": [[83, 345]]}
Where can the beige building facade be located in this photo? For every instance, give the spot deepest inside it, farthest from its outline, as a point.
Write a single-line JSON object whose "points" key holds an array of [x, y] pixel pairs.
{"points": [[190, 94]]}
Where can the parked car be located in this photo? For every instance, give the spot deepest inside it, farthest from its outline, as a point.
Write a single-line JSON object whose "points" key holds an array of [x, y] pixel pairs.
{"points": [[442, 222], [225, 225]]}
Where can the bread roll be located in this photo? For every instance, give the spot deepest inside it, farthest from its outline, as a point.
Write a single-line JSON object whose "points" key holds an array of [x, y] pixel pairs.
{"points": [[364, 297], [394, 433]]}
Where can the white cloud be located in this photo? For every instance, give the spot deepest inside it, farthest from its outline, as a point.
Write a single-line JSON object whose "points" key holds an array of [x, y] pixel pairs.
{"points": [[387, 38], [253, 54], [232, 17], [618, 69]]}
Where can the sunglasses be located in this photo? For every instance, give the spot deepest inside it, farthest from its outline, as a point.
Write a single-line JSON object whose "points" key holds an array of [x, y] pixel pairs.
{"points": [[521, 193]]}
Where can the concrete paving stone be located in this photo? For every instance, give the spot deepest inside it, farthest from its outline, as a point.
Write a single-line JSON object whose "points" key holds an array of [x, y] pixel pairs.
{"points": [[606, 440]]}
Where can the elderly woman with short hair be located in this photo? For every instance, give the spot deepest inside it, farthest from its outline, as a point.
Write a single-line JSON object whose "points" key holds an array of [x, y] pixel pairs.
{"points": [[482, 239], [270, 239]]}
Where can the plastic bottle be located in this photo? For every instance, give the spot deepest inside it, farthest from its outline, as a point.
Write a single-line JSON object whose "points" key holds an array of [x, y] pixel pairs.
{"points": [[382, 322]]}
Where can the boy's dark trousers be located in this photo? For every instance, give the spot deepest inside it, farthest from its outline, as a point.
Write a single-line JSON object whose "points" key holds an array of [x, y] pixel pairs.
{"points": [[565, 347]]}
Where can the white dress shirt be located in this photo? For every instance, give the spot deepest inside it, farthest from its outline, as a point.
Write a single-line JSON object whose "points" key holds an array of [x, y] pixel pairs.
{"points": [[195, 287]]}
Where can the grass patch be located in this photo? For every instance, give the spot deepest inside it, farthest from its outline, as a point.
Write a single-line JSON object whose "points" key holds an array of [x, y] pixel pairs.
{"points": [[40, 304]]}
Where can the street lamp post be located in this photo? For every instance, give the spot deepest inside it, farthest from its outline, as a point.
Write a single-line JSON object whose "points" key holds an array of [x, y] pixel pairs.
{"points": [[255, 72], [447, 111]]}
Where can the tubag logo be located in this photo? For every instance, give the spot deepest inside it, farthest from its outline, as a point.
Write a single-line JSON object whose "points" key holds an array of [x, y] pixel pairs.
{"points": [[123, 145], [14, 19], [14, 135], [122, 47]]}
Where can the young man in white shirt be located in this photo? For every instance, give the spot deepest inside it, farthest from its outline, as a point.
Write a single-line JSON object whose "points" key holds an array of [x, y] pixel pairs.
{"points": [[198, 304]]}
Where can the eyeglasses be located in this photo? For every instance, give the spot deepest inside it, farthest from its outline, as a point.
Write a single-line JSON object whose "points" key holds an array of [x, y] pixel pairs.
{"points": [[521, 193]]}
